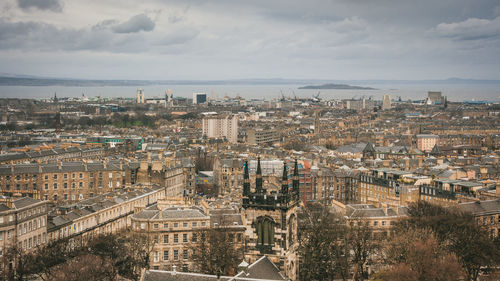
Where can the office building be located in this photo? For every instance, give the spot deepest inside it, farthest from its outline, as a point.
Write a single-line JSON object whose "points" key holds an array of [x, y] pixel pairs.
{"points": [[199, 98], [140, 96], [386, 102]]}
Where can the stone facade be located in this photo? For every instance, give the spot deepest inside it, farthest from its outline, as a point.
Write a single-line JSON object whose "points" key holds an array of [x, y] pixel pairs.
{"points": [[271, 222]]}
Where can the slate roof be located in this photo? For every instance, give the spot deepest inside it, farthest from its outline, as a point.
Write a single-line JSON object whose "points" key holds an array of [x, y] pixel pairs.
{"points": [[481, 207], [24, 202], [370, 211], [262, 269]]}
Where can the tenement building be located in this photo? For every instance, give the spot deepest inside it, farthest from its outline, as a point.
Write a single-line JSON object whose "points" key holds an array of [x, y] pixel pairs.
{"points": [[23, 223], [271, 221], [65, 181], [103, 214]]}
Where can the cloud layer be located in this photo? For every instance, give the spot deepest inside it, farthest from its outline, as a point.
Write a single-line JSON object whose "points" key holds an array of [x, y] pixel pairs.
{"points": [[201, 39]]}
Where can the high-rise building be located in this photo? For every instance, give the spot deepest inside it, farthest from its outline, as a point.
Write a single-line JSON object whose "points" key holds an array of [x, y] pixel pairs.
{"points": [[435, 97], [219, 126], [199, 98], [317, 123], [140, 96], [386, 102]]}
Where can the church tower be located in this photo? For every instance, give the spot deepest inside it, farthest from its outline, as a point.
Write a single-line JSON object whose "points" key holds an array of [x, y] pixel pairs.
{"points": [[271, 221]]}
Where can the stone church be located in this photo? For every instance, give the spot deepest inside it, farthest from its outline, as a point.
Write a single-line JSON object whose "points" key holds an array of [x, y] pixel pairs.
{"points": [[271, 221]]}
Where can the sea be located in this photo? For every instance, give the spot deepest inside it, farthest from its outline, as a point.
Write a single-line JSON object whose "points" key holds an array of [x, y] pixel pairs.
{"points": [[405, 91]]}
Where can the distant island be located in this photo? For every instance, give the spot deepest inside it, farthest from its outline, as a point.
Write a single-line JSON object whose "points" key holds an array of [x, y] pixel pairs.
{"points": [[336, 87]]}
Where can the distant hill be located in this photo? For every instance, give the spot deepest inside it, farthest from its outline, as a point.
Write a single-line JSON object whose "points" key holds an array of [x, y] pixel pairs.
{"points": [[28, 80], [336, 87]]}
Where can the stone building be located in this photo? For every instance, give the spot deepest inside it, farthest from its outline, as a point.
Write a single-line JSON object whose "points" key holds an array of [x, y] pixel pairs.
{"points": [[171, 225], [106, 213], [65, 181], [487, 214], [23, 223], [271, 221]]}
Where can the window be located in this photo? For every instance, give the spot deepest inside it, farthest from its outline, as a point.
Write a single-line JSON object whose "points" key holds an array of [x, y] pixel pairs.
{"points": [[165, 225], [155, 239], [65, 185], [81, 175], [55, 176], [185, 224], [46, 177], [194, 238], [265, 231], [194, 224], [176, 224], [176, 238], [383, 222], [65, 176], [165, 239], [375, 223], [203, 223], [156, 257], [176, 255], [165, 255], [65, 196], [55, 197], [155, 226], [80, 184], [185, 254], [55, 185], [184, 238]]}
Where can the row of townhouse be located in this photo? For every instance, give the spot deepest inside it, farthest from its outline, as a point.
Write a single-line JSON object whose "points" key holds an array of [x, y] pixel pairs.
{"points": [[56, 154], [65, 181], [103, 214]]}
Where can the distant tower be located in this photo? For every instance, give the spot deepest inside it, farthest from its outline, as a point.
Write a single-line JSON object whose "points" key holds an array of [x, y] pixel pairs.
{"points": [[169, 98], [58, 121], [316, 123], [246, 181], [55, 97], [140, 96], [386, 102]]}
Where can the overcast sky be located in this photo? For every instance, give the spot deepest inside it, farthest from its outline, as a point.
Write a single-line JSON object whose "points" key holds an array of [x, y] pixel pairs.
{"points": [[227, 39]]}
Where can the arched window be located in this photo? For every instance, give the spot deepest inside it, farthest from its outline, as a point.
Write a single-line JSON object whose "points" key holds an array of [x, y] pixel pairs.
{"points": [[265, 231], [292, 230]]}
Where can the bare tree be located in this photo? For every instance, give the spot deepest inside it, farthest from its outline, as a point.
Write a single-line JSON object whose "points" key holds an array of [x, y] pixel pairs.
{"points": [[323, 245], [362, 247], [215, 251], [459, 232], [417, 255]]}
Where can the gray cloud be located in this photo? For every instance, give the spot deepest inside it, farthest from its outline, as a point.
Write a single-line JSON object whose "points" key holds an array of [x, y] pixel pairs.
{"points": [[470, 29], [52, 5], [137, 23], [403, 39], [100, 37]]}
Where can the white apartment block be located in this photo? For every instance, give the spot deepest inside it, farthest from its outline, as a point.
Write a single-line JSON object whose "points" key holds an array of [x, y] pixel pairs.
{"points": [[220, 126]]}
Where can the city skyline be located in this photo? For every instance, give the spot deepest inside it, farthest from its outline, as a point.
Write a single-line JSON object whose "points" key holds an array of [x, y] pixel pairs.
{"points": [[204, 40]]}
